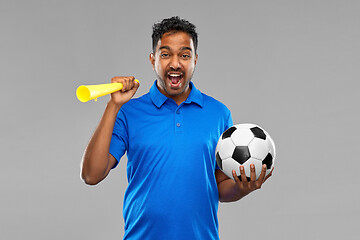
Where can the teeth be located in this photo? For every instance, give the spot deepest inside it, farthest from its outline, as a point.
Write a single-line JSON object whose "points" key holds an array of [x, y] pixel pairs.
{"points": [[174, 75]]}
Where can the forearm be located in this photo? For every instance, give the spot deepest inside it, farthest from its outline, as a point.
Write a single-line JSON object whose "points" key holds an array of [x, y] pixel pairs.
{"points": [[229, 192], [95, 162]]}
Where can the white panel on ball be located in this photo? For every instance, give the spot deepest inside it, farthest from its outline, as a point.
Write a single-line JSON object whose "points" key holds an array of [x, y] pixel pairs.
{"points": [[230, 164], [245, 125], [258, 148], [271, 146], [226, 149], [242, 136]]}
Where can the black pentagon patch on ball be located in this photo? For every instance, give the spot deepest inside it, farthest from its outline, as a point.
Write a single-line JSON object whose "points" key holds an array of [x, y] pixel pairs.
{"points": [[218, 160], [258, 132], [268, 160], [241, 154], [228, 132]]}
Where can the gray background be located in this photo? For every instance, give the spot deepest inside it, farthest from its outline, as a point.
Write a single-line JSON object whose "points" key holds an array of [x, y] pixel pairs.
{"points": [[290, 66]]}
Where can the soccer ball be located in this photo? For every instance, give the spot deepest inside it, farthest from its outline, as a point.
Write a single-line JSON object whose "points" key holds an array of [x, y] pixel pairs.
{"points": [[244, 144]]}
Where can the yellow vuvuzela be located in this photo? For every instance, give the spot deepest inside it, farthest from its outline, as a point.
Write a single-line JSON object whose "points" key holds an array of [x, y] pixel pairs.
{"points": [[88, 92]]}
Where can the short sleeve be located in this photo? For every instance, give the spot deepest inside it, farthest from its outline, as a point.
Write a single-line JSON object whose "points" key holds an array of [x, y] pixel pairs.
{"points": [[228, 124], [119, 139]]}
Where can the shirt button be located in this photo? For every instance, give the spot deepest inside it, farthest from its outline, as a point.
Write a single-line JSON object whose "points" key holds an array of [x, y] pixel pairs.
{"points": [[178, 124], [178, 112]]}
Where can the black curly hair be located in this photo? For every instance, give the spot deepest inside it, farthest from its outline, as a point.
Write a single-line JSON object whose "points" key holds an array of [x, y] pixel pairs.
{"points": [[173, 24]]}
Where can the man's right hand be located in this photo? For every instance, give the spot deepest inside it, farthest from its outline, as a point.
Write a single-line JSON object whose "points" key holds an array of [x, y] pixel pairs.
{"points": [[129, 89]]}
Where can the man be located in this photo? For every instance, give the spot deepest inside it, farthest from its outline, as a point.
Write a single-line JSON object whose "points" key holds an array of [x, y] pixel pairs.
{"points": [[169, 135]]}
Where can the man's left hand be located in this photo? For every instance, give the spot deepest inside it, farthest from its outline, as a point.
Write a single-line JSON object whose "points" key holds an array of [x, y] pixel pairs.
{"points": [[244, 186]]}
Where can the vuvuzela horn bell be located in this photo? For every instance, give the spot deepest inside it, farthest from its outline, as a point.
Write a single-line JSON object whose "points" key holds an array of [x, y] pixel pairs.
{"points": [[88, 92]]}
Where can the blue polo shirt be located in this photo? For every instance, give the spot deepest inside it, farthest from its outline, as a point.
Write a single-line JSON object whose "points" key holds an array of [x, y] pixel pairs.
{"points": [[172, 191]]}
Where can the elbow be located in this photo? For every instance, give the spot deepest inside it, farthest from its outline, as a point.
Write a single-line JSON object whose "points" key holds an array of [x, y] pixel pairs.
{"points": [[90, 181], [91, 174], [87, 176], [226, 200], [223, 200]]}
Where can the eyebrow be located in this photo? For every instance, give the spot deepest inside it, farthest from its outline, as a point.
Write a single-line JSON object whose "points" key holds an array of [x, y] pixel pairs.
{"points": [[168, 48]]}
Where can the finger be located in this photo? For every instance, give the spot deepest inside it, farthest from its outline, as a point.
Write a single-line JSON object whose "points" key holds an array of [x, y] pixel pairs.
{"points": [[242, 174], [261, 179], [252, 176], [116, 79], [125, 83], [262, 174], [133, 83], [130, 82], [269, 175], [237, 180], [136, 83]]}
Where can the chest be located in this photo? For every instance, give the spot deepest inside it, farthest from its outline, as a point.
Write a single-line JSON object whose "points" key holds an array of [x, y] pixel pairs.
{"points": [[185, 127]]}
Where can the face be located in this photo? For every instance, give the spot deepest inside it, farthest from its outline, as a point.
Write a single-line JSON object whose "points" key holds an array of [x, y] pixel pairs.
{"points": [[174, 63]]}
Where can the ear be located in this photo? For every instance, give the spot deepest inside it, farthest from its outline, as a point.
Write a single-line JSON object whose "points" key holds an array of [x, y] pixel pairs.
{"points": [[196, 58], [152, 60]]}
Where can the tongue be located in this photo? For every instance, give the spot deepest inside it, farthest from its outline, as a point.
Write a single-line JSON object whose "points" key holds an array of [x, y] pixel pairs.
{"points": [[174, 80]]}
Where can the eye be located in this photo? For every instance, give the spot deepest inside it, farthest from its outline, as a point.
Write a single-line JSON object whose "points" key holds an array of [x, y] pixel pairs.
{"points": [[185, 56], [164, 55]]}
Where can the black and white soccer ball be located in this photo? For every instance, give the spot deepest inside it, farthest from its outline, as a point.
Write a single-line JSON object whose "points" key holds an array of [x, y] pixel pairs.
{"points": [[244, 144]]}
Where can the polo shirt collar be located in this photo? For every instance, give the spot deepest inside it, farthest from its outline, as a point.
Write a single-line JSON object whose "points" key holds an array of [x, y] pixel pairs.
{"points": [[159, 99], [195, 96]]}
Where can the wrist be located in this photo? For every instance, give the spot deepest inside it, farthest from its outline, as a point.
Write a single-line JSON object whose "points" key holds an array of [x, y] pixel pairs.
{"points": [[113, 106]]}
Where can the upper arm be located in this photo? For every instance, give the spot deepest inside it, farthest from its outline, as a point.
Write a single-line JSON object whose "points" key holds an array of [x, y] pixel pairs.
{"points": [[112, 163]]}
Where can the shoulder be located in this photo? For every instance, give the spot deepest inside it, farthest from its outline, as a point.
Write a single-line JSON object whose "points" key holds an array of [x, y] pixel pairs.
{"points": [[214, 104], [137, 103], [134, 107]]}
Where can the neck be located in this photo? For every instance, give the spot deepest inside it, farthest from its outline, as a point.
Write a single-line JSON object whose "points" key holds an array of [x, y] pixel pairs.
{"points": [[182, 97], [177, 98]]}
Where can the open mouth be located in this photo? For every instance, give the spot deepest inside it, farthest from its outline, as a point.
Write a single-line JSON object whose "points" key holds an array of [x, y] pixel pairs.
{"points": [[175, 79]]}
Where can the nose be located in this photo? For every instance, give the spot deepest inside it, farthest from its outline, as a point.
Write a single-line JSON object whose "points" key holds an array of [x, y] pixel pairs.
{"points": [[175, 63]]}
